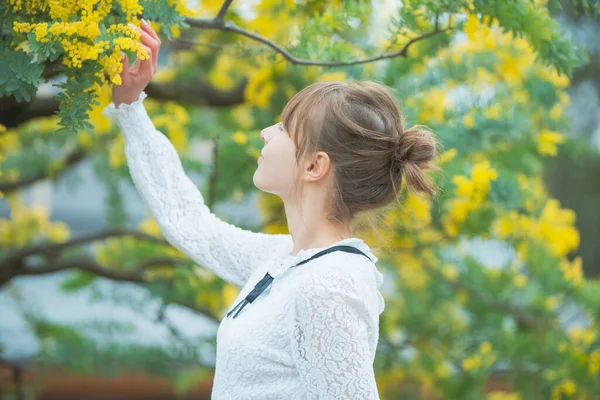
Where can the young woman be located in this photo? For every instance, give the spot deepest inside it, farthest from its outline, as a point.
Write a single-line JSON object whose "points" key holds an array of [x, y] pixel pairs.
{"points": [[305, 323]]}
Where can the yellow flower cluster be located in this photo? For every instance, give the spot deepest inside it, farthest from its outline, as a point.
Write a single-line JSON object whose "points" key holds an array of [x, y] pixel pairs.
{"points": [[555, 227], [482, 359], [434, 104], [567, 387], [28, 224], [100, 122], [572, 271], [547, 141], [240, 138], [516, 56], [112, 66], [131, 8], [582, 336], [260, 88], [533, 192], [446, 156], [150, 226], [243, 116], [221, 75], [28, 5], [173, 121], [468, 121], [594, 363], [79, 38], [503, 396], [410, 269], [470, 195]]}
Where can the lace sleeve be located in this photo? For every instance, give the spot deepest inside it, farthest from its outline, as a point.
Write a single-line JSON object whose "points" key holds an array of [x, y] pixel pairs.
{"points": [[334, 342], [178, 206]]}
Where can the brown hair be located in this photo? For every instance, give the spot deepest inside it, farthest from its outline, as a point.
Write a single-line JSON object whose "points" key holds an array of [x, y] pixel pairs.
{"points": [[360, 126]]}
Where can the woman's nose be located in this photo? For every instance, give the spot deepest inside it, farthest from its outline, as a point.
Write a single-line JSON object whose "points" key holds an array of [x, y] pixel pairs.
{"points": [[263, 136]]}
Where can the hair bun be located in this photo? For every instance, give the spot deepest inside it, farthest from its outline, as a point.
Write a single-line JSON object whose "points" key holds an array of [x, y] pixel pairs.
{"points": [[415, 150]]}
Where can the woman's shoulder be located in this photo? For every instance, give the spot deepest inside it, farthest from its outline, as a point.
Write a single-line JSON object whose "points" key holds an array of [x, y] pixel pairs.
{"points": [[339, 271]]}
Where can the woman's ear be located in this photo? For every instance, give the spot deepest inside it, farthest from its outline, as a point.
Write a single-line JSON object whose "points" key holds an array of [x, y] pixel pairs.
{"points": [[317, 167]]}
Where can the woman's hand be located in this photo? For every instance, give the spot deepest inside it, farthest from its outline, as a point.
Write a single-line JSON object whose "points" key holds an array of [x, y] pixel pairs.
{"points": [[135, 78]]}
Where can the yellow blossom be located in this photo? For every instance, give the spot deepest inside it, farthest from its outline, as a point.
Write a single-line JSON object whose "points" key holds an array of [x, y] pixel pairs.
{"points": [[547, 141], [468, 121], [503, 396], [243, 116], [550, 74], [551, 302], [240, 138], [582, 336], [450, 272], [150, 226], [556, 111], [229, 293], [493, 112], [471, 26], [485, 348], [594, 363], [447, 156], [260, 88], [520, 281], [566, 387], [471, 363], [333, 76]]}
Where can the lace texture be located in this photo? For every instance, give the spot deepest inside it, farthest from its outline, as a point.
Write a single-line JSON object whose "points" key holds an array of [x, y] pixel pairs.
{"points": [[312, 334]]}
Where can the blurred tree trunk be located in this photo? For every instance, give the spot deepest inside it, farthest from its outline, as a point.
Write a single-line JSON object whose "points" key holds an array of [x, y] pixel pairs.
{"points": [[572, 179]]}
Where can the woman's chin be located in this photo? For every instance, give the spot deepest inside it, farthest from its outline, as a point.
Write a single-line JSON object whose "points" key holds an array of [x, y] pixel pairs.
{"points": [[257, 182], [262, 186]]}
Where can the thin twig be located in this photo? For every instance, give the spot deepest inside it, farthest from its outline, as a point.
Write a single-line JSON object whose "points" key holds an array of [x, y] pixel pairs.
{"points": [[223, 10], [189, 42], [230, 26]]}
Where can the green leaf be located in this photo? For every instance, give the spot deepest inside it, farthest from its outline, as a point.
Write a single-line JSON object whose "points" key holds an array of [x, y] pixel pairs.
{"points": [[78, 280]]}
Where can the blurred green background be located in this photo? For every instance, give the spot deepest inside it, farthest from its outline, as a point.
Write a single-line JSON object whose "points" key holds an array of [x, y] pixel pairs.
{"points": [[491, 289]]}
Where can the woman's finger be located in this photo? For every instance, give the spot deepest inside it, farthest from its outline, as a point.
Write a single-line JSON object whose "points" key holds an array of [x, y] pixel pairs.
{"points": [[148, 29], [125, 71], [146, 26], [146, 67], [154, 46]]}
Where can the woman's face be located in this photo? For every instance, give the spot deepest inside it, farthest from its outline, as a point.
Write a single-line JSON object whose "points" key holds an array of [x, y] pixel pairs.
{"points": [[276, 171]]}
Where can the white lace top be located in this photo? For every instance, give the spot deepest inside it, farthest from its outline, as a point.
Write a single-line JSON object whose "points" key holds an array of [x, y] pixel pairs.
{"points": [[312, 334]]}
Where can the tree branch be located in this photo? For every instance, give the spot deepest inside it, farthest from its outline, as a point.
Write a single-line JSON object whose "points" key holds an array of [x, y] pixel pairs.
{"points": [[70, 160], [53, 248], [197, 93], [14, 114], [223, 10], [52, 68], [87, 264], [230, 26]]}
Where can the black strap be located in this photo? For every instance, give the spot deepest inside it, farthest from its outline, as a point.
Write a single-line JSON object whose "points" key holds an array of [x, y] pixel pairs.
{"points": [[266, 281]]}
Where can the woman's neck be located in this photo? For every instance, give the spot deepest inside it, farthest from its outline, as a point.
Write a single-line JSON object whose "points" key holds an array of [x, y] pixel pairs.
{"points": [[311, 228]]}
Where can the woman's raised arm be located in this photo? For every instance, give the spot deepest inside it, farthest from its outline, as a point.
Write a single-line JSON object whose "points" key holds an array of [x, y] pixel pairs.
{"points": [[175, 202]]}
